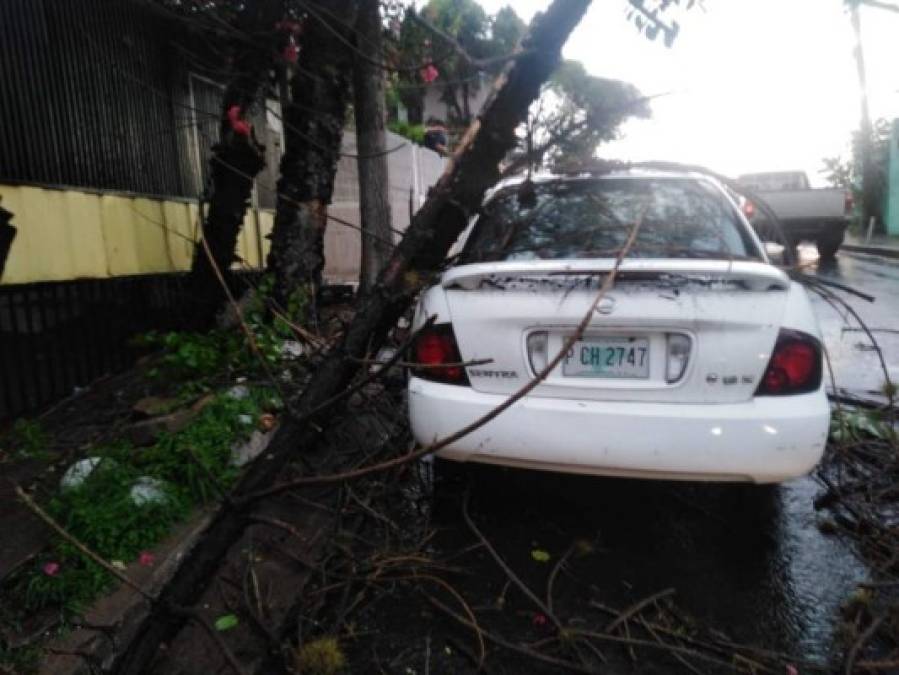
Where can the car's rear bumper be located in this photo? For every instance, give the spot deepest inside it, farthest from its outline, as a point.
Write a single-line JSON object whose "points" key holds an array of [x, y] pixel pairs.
{"points": [[767, 439]]}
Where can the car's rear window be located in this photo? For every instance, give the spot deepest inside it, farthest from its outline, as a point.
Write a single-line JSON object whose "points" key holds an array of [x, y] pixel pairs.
{"points": [[682, 218]]}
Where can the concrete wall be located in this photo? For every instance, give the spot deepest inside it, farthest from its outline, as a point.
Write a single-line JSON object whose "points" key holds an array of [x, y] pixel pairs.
{"points": [[892, 196], [76, 233], [413, 169]]}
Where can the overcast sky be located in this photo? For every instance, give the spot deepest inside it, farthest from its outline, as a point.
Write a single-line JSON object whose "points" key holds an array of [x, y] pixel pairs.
{"points": [[755, 84]]}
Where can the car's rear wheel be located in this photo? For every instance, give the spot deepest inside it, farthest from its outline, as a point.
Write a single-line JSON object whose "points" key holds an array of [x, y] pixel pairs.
{"points": [[829, 243]]}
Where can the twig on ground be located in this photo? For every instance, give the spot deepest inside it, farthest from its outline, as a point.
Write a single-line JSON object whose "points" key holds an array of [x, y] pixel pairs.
{"points": [[570, 666], [862, 640], [555, 572], [637, 607], [523, 587]]}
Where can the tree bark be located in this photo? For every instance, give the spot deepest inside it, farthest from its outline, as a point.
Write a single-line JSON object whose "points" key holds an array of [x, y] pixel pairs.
{"points": [[236, 160], [313, 129], [7, 234], [413, 263], [371, 141]]}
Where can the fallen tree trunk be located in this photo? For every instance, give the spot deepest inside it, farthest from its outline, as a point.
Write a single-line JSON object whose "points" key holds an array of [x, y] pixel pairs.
{"points": [[413, 263]]}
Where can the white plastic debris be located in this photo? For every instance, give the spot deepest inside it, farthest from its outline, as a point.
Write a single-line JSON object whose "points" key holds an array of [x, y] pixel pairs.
{"points": [[245, 419], [241, 453], [291, 349], [76, 474], [147, 490], [238, 392]]}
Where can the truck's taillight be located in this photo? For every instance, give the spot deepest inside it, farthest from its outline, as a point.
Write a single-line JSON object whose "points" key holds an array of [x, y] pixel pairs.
{"points": [[795, 366], [848, 203], [434, 348]]}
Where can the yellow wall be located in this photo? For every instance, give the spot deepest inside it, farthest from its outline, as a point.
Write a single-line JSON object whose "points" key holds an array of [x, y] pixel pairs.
{"points": [[70, 234]]}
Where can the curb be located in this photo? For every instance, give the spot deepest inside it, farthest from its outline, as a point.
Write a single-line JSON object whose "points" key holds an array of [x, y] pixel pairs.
{"points": [[884, 251]]}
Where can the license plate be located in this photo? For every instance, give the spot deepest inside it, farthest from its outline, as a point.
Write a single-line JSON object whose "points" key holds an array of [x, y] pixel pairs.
{"points": [[608, 356]]}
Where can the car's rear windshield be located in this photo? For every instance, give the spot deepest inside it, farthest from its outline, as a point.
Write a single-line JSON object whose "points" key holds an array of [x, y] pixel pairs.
{"points": [[681, 218]]}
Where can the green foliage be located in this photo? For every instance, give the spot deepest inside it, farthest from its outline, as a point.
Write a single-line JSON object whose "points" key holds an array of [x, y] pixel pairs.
{"points": [[575, 113], [539, 555], [198, 358], [28, 439], [655, 17], [24, 659], [187, 356], [855, 425], [847, 173], [102, 514], [322, 656], [207, 442], [414, 132], [226, 622], [481, 36]]}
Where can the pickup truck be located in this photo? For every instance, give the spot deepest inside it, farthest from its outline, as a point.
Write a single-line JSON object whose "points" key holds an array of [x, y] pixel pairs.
{"points": [[820, 215]]}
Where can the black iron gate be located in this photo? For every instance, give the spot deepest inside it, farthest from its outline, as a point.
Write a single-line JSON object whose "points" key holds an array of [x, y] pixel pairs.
{"points": [[58, 336]]}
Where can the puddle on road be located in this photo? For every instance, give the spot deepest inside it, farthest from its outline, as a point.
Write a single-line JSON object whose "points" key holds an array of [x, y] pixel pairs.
{"points": [[816, 572], [752, 566]]}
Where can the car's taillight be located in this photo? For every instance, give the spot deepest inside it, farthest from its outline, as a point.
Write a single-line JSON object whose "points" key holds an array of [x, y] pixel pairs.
{"points": [[748, 209], [434, 348], [795, 366]]}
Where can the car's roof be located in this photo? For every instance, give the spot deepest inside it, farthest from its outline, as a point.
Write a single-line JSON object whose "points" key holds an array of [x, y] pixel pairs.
{"points": [[632, 173]]}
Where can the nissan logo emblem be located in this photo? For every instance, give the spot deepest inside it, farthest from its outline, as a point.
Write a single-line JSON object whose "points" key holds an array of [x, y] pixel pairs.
{"points": [[606, 306]]}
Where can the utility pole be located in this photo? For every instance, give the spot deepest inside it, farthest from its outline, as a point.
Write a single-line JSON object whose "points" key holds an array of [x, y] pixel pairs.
{"points": [[869, 189], [371, 141]]}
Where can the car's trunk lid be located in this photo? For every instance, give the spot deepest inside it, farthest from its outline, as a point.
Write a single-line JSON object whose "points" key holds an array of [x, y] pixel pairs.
{"points": [[730, 311]]}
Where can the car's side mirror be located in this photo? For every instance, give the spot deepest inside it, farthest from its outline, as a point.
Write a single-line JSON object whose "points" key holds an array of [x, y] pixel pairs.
{"points": [[775, 253]]}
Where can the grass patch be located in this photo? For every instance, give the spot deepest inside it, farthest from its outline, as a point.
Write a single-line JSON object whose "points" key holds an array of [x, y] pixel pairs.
{"points": [[110, 511], [26, 440], [105, 513]]}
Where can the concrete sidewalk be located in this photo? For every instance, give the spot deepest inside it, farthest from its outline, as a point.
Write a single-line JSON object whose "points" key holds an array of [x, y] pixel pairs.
{"points": [[882, 245]]}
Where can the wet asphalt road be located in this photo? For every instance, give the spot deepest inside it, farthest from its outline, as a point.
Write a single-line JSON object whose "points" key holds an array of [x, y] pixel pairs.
{"points": [[751, 564], [856, 366]]}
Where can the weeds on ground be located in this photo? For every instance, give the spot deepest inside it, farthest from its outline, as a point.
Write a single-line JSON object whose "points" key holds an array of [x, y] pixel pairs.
{"points": [[197, 359], [850, 425], [134, 496], [111, 513], [26, 440]]}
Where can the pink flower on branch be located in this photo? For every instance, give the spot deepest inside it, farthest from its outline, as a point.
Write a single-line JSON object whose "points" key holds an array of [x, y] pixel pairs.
{"points": [[429, 73]]}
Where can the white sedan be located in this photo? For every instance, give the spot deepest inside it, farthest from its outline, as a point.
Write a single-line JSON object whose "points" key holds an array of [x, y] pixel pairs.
{"points": [[702, 362]]}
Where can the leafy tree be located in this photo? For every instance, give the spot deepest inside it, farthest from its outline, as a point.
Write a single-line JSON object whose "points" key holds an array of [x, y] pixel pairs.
{"points": [[654, 17], [575, 113], [849, 173], [477, 35]]}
